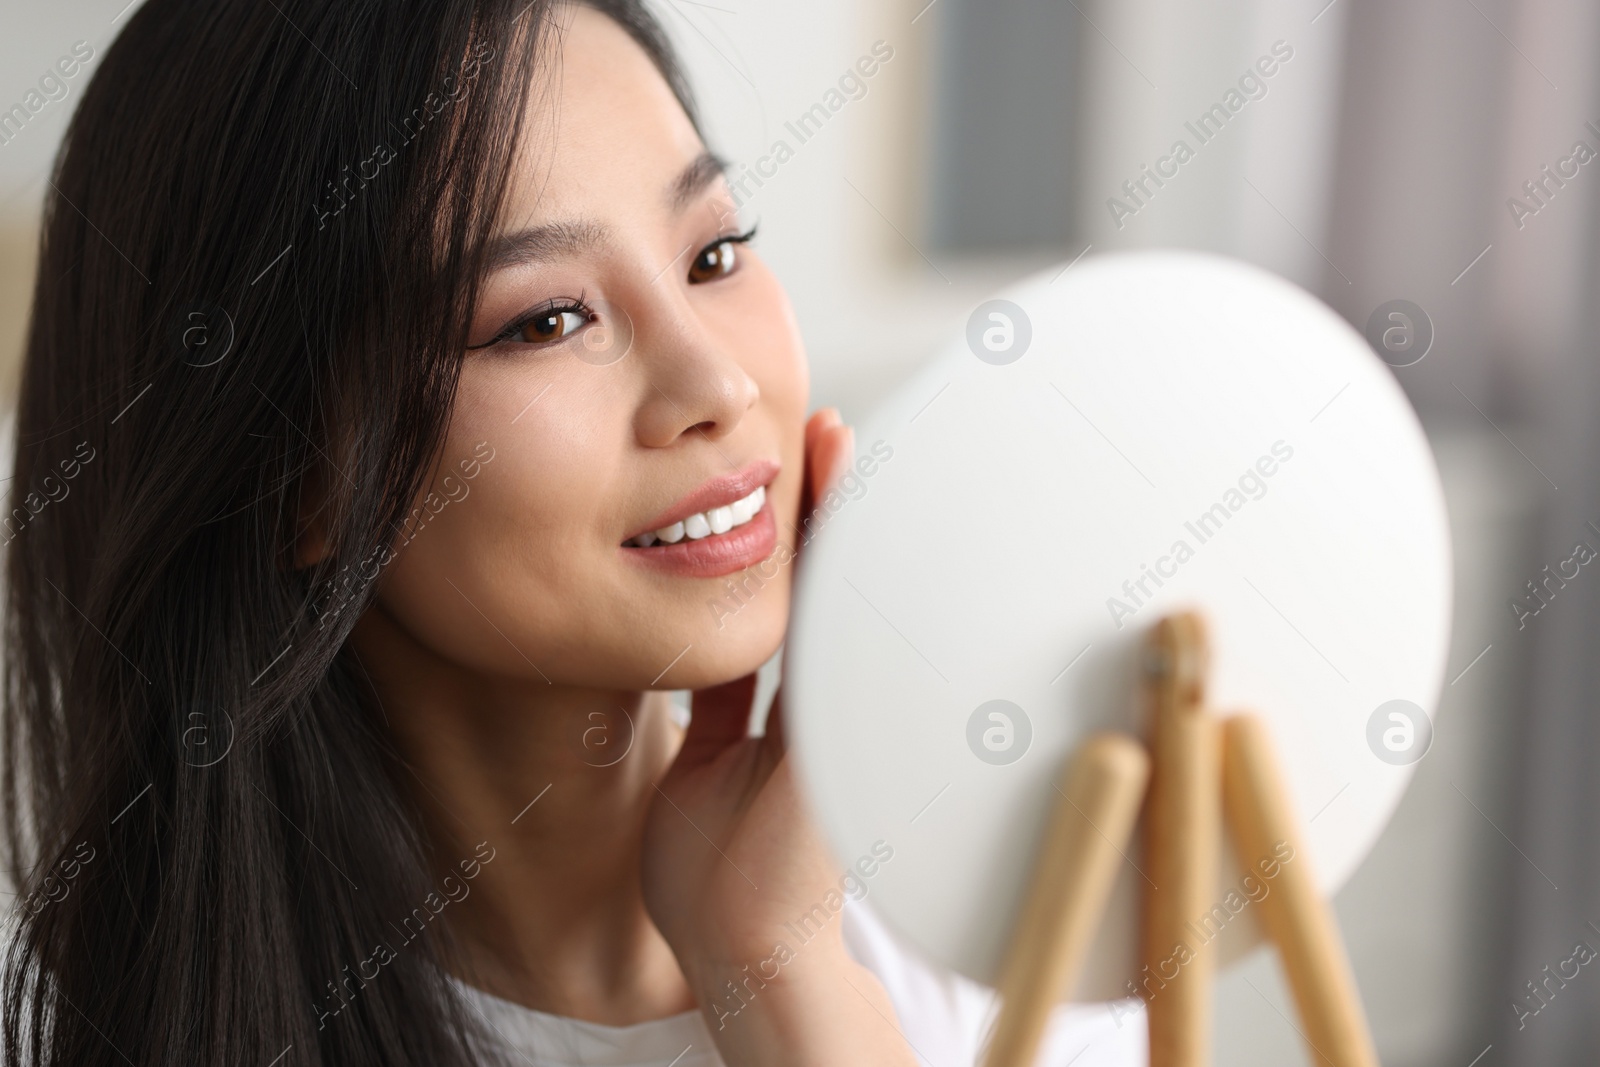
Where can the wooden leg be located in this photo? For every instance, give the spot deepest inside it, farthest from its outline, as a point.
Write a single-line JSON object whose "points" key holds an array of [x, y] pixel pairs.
{"points": [[1077, 863], [1297, 919], [1182, 838]]}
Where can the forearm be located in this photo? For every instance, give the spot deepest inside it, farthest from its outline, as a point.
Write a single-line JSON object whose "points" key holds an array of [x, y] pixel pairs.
{"points": [[814, 1007]]}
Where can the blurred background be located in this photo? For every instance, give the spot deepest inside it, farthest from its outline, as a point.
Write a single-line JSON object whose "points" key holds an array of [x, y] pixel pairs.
{"points": [[1433, 151]]}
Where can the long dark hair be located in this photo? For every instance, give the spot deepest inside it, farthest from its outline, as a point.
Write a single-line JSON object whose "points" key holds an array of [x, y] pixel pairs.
{"points": [[257, 267]]}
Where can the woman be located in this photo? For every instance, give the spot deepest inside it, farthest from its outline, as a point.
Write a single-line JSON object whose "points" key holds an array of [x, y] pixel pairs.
{"points": [[399, 390]]}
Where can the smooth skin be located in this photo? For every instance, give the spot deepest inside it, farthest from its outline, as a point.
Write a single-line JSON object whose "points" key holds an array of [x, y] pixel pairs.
{"points": [[515, 646]]}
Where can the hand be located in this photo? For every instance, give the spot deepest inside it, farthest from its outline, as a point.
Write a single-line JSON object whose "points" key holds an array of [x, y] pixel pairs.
{"points": [[731, 859]]}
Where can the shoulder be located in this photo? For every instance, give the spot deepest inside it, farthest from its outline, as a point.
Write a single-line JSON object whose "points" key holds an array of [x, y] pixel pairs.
{"points": [[945, 1017]]}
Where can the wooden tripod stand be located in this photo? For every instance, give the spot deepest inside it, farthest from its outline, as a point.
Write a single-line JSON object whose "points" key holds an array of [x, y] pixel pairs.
{"points": [[1198, 768]]}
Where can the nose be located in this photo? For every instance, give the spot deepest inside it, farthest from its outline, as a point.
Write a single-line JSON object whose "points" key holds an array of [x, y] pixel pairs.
{"points": [[693, 385]]}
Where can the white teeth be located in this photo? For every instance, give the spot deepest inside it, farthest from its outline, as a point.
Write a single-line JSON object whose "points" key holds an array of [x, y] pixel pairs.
{"points": [[706, 523]]}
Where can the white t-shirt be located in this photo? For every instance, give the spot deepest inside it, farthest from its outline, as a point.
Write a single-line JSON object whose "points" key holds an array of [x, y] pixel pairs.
{"points": [[944, 1018]]}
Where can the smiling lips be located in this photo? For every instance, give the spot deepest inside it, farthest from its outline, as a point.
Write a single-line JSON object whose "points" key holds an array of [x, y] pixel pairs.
{"points": [[705, 523], [723, 526]]}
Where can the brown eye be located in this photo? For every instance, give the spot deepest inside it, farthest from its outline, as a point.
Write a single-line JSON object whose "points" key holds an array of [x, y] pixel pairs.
{"points": [[713, 262], [550, 326]]}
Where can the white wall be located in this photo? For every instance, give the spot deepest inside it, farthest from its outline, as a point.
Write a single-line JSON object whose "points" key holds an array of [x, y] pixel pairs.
{"points": [[36, 36]]}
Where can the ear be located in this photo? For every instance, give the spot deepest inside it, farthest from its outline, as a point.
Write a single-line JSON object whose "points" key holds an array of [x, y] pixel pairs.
{"points": [[312, 542]]}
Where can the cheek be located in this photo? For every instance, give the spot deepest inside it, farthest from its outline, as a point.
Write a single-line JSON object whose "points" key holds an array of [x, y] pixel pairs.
{"points": [[777, 359], [774, 356], [467, 575]]}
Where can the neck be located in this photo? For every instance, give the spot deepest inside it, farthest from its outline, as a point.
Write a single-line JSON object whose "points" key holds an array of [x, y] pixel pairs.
{"points": [[557, 781]]}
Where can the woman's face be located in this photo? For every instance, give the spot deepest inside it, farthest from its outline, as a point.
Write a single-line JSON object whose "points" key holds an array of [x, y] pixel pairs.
{"points": [[631, 368]]}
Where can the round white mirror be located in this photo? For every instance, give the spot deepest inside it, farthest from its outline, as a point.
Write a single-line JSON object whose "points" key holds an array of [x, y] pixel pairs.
{"points": [[1141, 433]]}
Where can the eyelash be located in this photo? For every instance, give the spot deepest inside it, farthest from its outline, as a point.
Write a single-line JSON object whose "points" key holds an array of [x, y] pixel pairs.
{"points": [[549, 307], [562, 304]]}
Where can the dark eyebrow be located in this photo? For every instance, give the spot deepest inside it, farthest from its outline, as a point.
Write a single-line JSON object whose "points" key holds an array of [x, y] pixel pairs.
{"points": [[706, 168], [543, 242], [583, 235]]}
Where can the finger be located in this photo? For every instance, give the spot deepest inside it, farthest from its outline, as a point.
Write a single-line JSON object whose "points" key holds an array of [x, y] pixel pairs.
{"points": [[774, 741], [820, 420], [775, 722], [816, 426], [835, 446], [830, 445], [719, 716]]}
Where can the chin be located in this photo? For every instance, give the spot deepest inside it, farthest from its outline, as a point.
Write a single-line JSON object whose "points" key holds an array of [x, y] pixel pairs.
{"points": [[731, 643]]}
